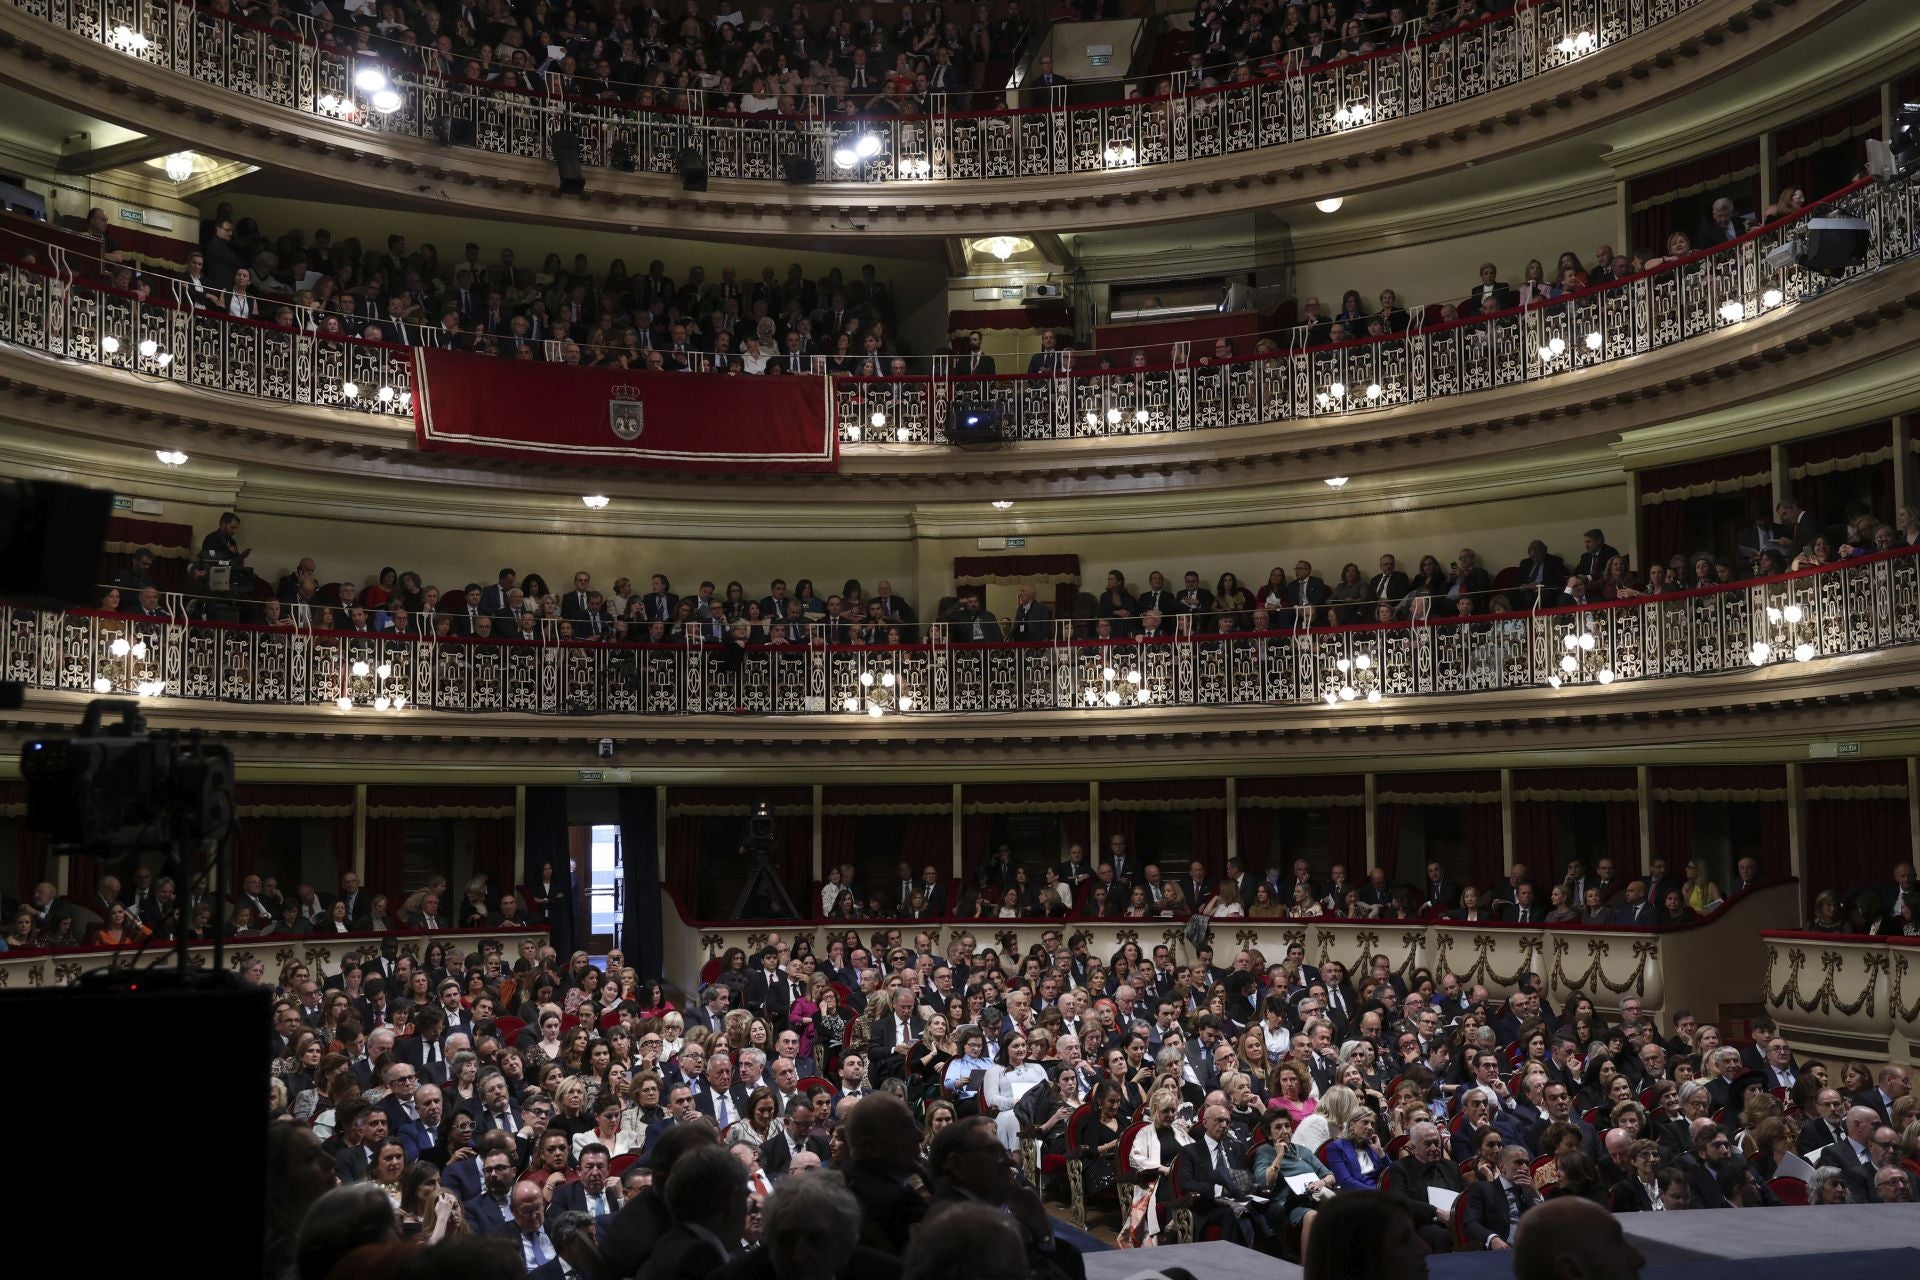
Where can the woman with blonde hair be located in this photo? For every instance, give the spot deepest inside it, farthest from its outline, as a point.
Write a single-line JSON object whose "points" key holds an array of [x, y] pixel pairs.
{"points": [[1338, 1105], [1155, 1148]]}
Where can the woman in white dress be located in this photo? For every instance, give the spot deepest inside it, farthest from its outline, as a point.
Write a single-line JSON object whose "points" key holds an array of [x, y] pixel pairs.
{"points": [[1005, 1083], [830, 892], [1155, 1148]]}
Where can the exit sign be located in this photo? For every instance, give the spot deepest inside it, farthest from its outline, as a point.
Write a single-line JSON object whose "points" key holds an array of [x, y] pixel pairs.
{"points": [[1013, 543]]}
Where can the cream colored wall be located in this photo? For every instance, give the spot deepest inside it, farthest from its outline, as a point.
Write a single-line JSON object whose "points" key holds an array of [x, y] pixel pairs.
{"points": [[357, 550], [1446, 270]]}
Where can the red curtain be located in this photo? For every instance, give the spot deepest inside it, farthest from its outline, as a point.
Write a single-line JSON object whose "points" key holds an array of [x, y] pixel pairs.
{"points": [[493, 852], [249, 842], [1854, 841], [1347, 831], [1855, 442], [1486, 846], [1651, 196], [1663, 524], [1209, 825], [1798, 146], [928, 841], [683, 861], [1387, 821], [1256, 837], [386, 858], [1535, 839], [1623, 837], [1483, 785]]}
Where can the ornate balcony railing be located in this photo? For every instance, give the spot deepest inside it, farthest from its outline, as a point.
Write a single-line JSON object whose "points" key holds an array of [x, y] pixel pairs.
{"points": [[54, 305], [1054, 136], [1857, 606]]}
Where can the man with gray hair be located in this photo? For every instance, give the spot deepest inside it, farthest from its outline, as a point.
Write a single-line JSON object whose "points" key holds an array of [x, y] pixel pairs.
{"points": [[1719, 228], [1425, 1168]]}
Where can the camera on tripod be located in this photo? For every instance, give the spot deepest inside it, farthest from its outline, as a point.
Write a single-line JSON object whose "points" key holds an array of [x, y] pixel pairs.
{"points": [[762, 896], [117, 789]]}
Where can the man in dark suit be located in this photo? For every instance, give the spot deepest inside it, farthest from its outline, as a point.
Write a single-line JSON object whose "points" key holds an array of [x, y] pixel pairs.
{"points": [[1391, 583], [1245, 883], [577, 604], [495, 1109], [491, 1212], [969, 1166], [1306, 591], [592, 1192], [893, 1033], [722, 1101], [1541, 571], [972, 360], [1160, 596], [1427, 1166], [769, 990], [1196, 884], [1045, 77], [1853, 1154], [1594, 556], [1827, 1125], [1376, 892], [1719, 227], [422, 1049], [368, 1128], [893, 608], [1524, 909], [1895, 1083], [660, 602], [1494, 1208], [627, 1238], [970, 622], [795, 1136], [883, 1145], [1441, 892], [1213, 1169], [1031, 619], [494, 598], [1049, 358]]}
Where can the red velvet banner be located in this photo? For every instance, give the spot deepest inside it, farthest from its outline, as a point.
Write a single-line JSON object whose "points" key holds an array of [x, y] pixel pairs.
{"points": [[561, 414]]}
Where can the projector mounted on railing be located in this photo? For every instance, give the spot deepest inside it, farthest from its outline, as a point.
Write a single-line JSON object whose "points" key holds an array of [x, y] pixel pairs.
{"points": [[1044, 291]]}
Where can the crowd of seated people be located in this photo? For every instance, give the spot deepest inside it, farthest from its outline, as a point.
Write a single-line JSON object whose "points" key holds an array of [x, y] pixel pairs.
{"points": [[1464, 593], [147, 909], [1122, 885], [861, 60], [743, 323], [545, 1109]]}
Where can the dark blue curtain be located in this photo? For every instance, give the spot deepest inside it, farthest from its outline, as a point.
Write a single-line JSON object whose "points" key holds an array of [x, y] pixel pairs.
{"points": [[547, 842], [640, 856]]}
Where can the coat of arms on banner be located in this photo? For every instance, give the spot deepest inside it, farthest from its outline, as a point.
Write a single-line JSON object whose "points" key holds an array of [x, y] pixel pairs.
{"points": [[625, 414]]}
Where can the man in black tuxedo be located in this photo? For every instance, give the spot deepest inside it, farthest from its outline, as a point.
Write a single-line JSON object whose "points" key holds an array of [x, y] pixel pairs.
{"points": [[1428, 1166], [769, 990], [1495, 1208], [932, 890], [1045, 77], [1213, 1169], [1075, 871], [1197, 885], [893, 1033], [1441, 892], [1391, 583], [902, 887], [1853, 1154], [1595, 554], [884, 1145], [1634, 909], [422, 1049], [1245, 883], [1827, 1125], [1158, 596], [795, 1136], [970, 622], [1049, 358], [1031, 619]]}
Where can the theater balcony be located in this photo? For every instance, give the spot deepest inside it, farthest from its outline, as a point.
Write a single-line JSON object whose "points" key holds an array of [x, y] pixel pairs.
{"points": [[1701, 334], [1091, 154], [1846, 996]]}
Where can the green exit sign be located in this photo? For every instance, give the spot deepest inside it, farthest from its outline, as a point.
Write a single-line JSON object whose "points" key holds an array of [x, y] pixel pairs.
{"points": [[1013, 543]]}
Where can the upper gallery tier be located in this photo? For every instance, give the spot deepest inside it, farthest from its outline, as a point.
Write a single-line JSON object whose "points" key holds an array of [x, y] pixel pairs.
{"points": [[575, 137]]}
